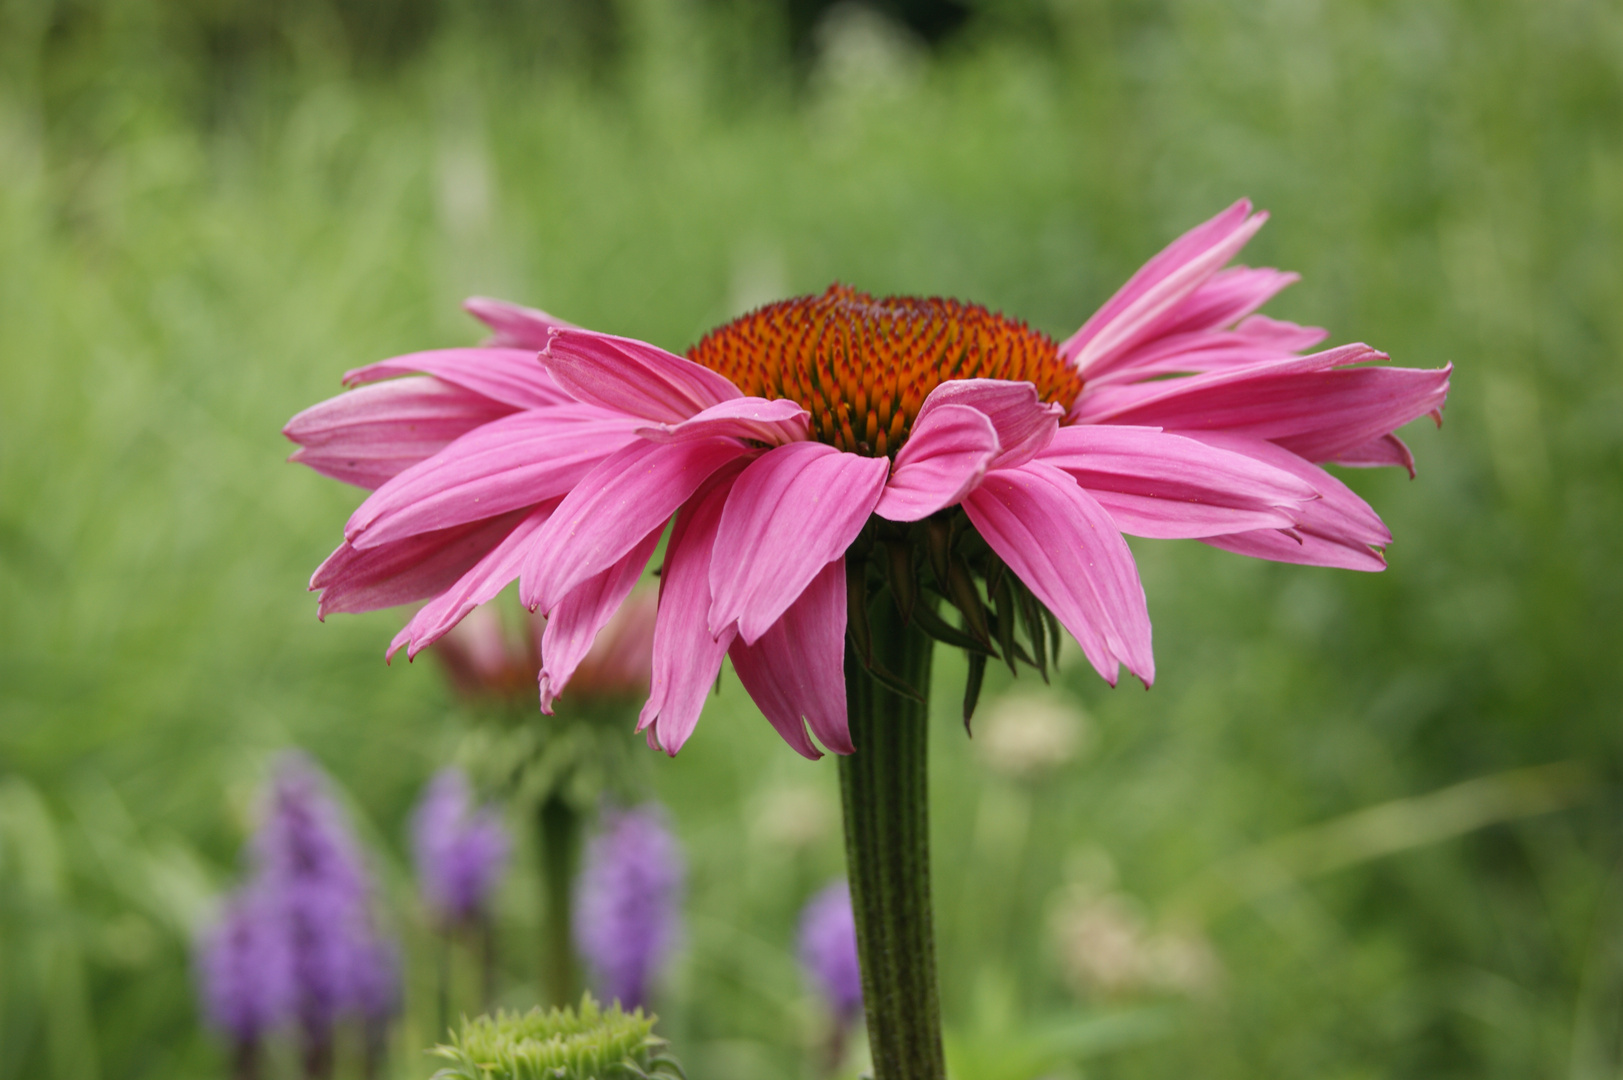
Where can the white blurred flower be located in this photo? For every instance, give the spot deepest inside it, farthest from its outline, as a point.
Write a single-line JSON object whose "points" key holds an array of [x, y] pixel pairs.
{"points": [[1106, 947], [793, 816], [1101, 943], [861, 52], [1024, 735]]}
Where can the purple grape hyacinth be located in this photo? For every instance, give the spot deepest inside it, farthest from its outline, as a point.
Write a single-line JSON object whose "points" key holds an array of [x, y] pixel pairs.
{"points": [[626, 909], [828, 950], [461, 852]]}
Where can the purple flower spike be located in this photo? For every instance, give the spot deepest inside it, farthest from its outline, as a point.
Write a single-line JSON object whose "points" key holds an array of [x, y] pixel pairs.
{"points": [[626, 909], [460, 852], [299, 943], [243, 966], [315, 878], [828, 950]]}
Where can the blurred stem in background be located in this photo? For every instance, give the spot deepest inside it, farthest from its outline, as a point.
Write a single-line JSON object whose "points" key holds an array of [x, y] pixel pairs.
{"points": [[555, 769], [884, 787], [558, 829]]}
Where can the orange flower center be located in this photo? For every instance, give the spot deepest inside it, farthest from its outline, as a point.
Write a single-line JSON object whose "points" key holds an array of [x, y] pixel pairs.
{"points": [[862, 367]]}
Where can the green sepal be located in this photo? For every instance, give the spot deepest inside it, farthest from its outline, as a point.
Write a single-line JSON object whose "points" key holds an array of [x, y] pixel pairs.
{"points": [[938, 545], [1002, 593], [1036, 629], [881, 675], [972, 689], [903, 582], [944, 632], [1053, 633], [856, 608], [966, 598]]}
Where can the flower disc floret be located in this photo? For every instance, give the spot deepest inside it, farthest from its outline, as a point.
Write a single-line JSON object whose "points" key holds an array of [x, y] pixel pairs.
{"points": [[862, 366]]}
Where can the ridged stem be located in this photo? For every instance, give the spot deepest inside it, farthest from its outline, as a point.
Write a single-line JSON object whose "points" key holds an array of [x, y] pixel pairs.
{"points": [[884, 788]]}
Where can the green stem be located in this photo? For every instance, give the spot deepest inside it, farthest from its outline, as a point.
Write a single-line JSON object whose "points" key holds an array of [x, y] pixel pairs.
{"points": [[444, 973], [884, 787], [558, 826]]}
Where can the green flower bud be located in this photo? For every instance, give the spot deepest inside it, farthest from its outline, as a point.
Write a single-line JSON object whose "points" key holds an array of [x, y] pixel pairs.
{"points": [[561, 1044]]}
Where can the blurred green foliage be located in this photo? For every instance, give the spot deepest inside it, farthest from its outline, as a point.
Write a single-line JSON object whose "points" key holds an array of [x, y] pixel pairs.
{"points": [[209, 210]]}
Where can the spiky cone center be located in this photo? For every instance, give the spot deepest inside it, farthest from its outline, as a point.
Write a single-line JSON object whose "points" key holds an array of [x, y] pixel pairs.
{"points": [[862, 366]]}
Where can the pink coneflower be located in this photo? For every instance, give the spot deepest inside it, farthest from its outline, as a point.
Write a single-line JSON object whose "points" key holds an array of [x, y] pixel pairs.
{"points": [[788, 436]]}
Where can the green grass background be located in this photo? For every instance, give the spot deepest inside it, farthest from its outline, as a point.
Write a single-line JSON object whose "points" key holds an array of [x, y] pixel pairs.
{"points": [[209, 210]]}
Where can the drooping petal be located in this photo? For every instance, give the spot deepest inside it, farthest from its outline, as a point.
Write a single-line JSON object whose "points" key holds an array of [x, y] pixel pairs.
{"points": [[772, 422], [1300, 546], [1150, 299], [513, 326], [1387, 450], [793, 511], [368, 435], [947, 453], [516, 461], [1257, 340], [613, 508], [796, 671], [687, 657], [1337, 529], [574, 623], [1160, 485], [411, 569], [633, 377], [511, 376], [1024, 422], [1315, 406], [1062, 544], [489, 576]]}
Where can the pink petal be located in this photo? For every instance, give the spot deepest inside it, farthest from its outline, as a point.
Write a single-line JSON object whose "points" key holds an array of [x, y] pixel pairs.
{"points": [[793, 511], [478, 586], [1064, 547], [1315, 406], [633, 377], [517, 461], [574, 624], [1302, 547], [511, 376], [513, 326], [411, 569], [1151, 298], [1164, 486], [614, 508], [1387, 450], [1024, 423], [771, 422], [1257, 340], [947, 453], [1227, 297], [796, 671], [687, 657], [368, 435], [1337, 519]]}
